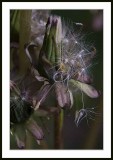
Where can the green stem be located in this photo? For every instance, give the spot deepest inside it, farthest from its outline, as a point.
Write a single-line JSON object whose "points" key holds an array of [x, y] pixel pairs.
{"points": [[58, 130], [25, 31]]}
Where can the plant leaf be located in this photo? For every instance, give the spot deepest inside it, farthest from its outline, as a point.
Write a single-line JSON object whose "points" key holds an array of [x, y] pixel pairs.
{"points": [[88, 89]]}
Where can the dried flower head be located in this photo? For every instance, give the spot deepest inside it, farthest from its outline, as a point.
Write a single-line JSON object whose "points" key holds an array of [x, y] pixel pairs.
{"points": [[63, 61]]}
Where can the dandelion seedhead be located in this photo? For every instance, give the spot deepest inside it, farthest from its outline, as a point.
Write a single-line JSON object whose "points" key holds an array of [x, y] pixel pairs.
{"points": [[63, 60]]}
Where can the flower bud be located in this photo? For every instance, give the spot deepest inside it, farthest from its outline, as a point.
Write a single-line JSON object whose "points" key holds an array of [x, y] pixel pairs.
{"points": [[50, 53]]}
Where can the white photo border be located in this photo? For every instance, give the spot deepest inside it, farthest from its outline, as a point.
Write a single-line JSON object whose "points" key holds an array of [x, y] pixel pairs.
{"points": [[106, 152]]}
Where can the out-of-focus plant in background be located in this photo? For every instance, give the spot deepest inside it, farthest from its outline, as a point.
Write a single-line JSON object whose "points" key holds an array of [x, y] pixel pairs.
{"points": [[51, 69]]}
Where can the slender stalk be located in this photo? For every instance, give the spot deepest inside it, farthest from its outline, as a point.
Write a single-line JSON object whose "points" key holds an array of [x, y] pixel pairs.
{"points": [[25, 31], [58, 130]]}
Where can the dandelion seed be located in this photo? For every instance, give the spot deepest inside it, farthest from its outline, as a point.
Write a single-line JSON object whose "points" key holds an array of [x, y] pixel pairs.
{"points": [[65, 41], [72, 62], [79, 24], [66, 60], [84, 113]]}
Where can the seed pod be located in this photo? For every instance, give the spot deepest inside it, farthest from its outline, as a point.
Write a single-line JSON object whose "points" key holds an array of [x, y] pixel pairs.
{"points": [[64, 96], [50, 53]]}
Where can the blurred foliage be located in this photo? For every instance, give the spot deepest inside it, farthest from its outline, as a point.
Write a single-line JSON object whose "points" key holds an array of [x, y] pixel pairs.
{"points": [[20, 20]]}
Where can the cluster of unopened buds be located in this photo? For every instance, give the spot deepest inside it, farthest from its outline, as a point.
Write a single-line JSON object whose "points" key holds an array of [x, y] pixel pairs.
{"points": [[62, 63]]}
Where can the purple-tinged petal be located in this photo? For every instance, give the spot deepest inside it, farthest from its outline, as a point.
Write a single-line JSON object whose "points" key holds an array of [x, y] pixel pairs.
{"points": [[88, 89], [37, 75], [63, 95], [20, 135], [42, 94], [35, 130], [84, 78], [20, 143]]}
